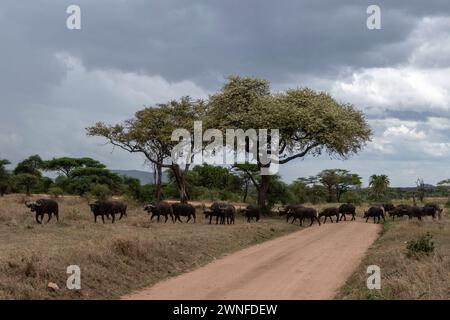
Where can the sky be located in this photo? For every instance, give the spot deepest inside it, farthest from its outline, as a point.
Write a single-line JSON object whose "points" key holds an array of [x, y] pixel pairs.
{"points": [[55, 82]]}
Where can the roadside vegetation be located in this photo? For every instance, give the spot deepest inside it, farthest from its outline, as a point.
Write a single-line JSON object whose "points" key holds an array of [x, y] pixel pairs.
{"points": [[414, 257]]}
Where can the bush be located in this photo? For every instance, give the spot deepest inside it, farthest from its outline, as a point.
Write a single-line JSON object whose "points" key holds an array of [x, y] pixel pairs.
{"points": [[55, 192], [351, 197], [101, 191], [447, 204], [422, 245]]}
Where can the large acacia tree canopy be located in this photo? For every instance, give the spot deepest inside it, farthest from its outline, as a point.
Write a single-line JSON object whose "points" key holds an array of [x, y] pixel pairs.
{"points": [[150, 130], [308, 121]]}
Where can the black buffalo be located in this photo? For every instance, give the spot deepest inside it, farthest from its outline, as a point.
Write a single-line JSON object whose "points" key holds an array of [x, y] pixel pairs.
{"points": [[251, 212], [388, 207], [228, 214], [160, 209], [288, 210], [302, 213], [42, 207], [347, 208], [375, 212], [108, 208], [213, 211], [399, 211], [329, 213], [183, 210], [432, 209], [410, 211]]}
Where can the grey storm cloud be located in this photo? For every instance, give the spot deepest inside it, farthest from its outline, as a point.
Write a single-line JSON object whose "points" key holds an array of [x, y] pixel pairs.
{"points": [[54, 82]]}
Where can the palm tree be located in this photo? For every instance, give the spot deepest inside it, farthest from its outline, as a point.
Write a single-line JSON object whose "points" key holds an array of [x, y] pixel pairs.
{"points": [[379, 184]]}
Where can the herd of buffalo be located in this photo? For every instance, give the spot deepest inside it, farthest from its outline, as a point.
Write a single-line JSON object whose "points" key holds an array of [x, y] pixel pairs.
{"points": [[225, 213]]}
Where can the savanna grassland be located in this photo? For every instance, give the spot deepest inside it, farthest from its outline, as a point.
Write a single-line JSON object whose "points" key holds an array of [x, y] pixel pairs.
{"points": [[114, 258], [404, 275]]}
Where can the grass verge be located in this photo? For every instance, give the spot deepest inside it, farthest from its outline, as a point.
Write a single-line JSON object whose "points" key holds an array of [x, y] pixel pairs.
{"points": [[405, 276]]}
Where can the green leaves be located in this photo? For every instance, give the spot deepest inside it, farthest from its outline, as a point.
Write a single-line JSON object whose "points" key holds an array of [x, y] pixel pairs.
{"points": [[379, 185], [310, 122], [66, 165]]}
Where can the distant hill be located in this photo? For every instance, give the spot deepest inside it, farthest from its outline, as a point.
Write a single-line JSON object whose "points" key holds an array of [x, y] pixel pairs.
{"points": [[146, 177]]}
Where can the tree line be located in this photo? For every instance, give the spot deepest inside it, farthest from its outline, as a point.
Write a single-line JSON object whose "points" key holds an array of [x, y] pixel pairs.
{"points": [[89, 177]]}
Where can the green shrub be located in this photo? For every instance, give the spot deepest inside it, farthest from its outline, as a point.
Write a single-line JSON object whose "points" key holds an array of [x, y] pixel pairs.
{"points": [[101, 191], [422, 245], [351, 197], [447, 204], [55, 192]]}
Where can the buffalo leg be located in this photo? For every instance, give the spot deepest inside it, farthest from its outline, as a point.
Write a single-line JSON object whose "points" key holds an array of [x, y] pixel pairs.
{"points": [[37, 219], [95, 218], [312, 221], [189, 218], [167, 218], [49, 217], [353, 217], [103, 218], [367, 219], [113, 217]]}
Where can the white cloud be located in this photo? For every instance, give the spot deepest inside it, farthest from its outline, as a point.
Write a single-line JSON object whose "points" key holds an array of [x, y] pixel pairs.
{"points": [[420, 84]]}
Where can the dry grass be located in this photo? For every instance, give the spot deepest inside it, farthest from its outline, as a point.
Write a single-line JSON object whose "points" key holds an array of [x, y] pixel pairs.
{"points": [[402, 277], [114, 259]]}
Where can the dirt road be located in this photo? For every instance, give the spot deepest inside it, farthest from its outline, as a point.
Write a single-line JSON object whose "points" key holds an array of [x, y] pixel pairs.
{"points": [[312, 263]]}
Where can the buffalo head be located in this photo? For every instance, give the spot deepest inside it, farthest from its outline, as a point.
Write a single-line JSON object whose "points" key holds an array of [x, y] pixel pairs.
{"points": [[33, 206]]}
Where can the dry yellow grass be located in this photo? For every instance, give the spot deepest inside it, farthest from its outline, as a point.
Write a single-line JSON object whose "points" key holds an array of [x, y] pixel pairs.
{"points": [[402, 277], [114, 259]]}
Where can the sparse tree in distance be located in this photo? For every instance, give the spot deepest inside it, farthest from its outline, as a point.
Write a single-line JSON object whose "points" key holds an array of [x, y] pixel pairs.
{"points": [[27, 180], [379, 185], [66, 165], [5, 177], [420, 189], [337, 182]]}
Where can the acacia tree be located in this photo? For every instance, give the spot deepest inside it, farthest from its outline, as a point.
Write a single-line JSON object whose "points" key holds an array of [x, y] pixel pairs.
{"points": [[309, 122], [66, 165], [28, 172], [149, 133], [337, 182]]}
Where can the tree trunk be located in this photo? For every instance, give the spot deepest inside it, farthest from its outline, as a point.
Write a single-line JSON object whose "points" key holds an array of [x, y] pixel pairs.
{"points": [[244, 198], [158, 181], [181, 183], [28, 187], [262, 192]]}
